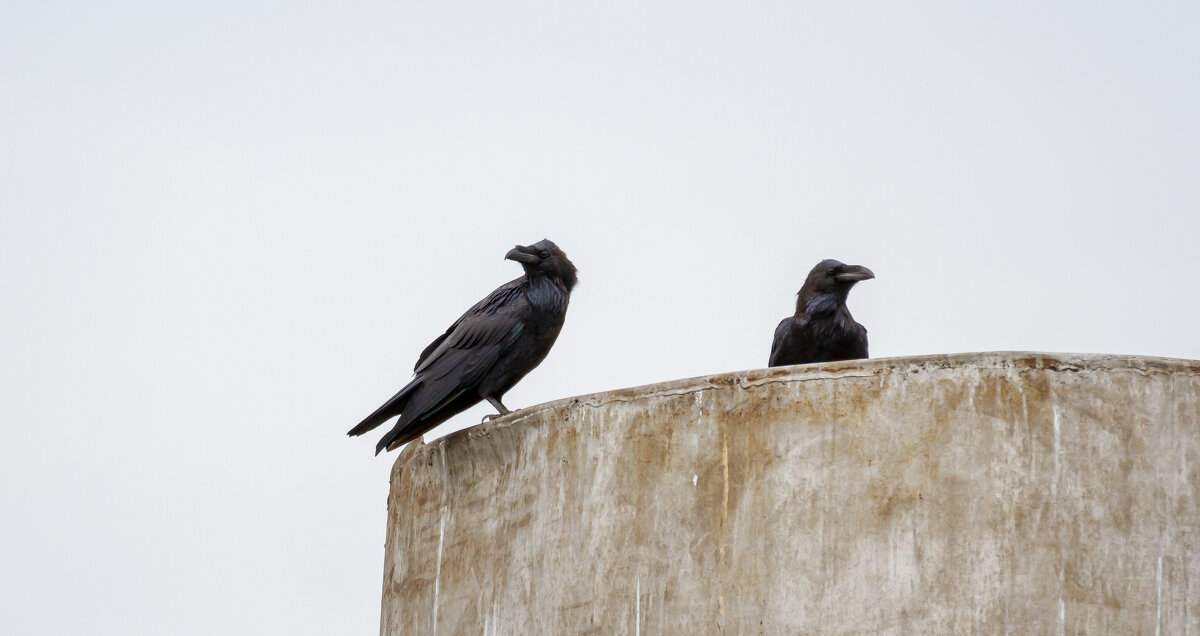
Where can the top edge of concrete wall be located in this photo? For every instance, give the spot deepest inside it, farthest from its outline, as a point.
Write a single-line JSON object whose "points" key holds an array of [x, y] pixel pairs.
{"points": [[1016, 360]]}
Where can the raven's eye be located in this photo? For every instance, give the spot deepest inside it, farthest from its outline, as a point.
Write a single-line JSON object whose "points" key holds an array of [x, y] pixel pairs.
{"points": [[544, 254], [830, 272]]}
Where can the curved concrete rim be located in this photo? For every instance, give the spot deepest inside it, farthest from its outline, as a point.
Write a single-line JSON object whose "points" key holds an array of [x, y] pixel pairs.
{"points": [[1015, 360]]}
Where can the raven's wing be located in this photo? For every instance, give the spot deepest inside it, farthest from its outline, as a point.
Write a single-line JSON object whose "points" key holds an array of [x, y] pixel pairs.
{"points": [[464, 357], [472, 325], [459, 359], [451, 367], [449, 384], [781, 336]]}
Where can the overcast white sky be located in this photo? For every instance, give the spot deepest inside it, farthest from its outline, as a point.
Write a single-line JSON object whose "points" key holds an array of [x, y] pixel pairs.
{"points": [[228, 228]]}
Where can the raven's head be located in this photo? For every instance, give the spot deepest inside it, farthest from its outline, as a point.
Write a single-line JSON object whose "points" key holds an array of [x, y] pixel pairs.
{"points": [[832, 278], [545, 259]]}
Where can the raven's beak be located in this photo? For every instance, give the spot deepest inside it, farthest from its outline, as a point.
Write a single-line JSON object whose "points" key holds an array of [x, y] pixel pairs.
{"points": [[519, 255], [853, 274]]}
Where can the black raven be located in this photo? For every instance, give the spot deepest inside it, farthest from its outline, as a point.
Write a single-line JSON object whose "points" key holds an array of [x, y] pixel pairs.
{"points": [[486, 351], [822, 329]]}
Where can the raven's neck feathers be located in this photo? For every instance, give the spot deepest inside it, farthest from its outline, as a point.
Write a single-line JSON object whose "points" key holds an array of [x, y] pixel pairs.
{"points": [[546, 294], [816, 304]]}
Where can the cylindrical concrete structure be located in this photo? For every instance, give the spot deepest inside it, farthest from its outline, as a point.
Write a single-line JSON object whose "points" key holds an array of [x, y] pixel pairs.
{"points": [[1024, 493]]}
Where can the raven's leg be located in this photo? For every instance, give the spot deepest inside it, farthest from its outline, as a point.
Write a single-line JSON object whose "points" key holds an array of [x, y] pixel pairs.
{"points": [[494, 401], [499, 407]]}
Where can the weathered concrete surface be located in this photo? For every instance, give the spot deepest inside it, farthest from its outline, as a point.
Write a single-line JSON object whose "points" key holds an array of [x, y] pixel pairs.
{"points": [[992, 493]]}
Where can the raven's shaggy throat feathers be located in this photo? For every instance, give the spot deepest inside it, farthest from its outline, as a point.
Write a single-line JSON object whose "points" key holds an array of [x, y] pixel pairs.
{"points": [[547, 295], [819, 304]]}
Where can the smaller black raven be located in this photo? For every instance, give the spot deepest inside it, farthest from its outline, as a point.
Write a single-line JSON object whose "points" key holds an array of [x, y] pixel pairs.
{"points": [[486, 351], [822, 329]]}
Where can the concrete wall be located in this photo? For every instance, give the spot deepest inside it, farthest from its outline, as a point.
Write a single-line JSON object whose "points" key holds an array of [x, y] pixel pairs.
{"points": [[1002, 492]]}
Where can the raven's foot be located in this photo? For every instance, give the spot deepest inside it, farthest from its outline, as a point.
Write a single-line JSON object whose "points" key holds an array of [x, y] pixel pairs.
{"points": [[493, 416]]}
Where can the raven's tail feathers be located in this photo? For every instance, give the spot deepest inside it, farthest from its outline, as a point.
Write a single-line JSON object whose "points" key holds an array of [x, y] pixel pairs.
{"points": [[390, 409], [423, 421]]}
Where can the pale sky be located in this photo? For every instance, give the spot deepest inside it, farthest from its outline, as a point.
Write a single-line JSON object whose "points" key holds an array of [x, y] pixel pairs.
{"points": [[230, 227]]}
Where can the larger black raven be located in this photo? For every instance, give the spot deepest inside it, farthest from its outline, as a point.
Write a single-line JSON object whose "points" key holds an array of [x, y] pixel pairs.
{"points": [[822, 329], [486, 351]]}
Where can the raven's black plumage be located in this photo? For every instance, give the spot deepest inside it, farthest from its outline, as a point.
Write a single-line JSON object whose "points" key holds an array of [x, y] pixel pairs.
{"points": [[486, 351], [822, 329]]}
